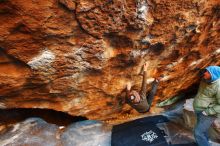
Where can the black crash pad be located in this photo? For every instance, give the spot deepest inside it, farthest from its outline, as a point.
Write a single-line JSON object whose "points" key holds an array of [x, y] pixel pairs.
{"points": [[141, 132], [188, 144]]}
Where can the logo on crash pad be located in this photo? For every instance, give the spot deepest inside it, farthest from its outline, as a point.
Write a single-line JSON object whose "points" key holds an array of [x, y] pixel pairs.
{"points": [[149, 136]]}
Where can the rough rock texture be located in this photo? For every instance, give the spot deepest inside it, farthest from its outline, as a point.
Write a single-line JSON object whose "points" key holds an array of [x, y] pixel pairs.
{"points": [[77, 55], [89, 132], [33, 131], [37, 132]]}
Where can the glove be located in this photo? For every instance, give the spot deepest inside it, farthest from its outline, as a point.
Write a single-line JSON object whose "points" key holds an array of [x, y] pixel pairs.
{"points": [[204, 113]]}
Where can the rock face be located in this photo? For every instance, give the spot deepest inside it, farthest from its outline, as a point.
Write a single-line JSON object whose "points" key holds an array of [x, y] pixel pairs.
{"points": [[33, 131], [37, 132], [76, 56], [89, 132]]}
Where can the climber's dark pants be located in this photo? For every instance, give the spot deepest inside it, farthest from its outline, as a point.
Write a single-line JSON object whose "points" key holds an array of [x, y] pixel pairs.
{"points": [[151, 94]]}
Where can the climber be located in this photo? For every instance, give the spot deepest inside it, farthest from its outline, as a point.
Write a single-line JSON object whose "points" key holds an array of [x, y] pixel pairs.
{"points": [[140, 101], [207, 103]]}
